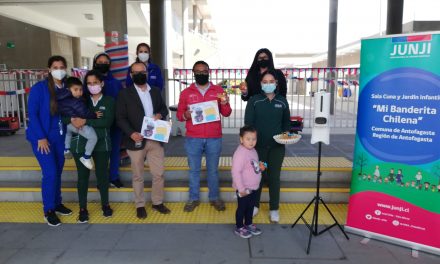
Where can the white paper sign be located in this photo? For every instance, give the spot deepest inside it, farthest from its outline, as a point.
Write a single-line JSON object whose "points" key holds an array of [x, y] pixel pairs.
{"points": [[157, 130], [204, 112]]}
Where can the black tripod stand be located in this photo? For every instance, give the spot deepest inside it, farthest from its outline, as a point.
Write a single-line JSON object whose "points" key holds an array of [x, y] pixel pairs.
{"points": [[317, 199]]}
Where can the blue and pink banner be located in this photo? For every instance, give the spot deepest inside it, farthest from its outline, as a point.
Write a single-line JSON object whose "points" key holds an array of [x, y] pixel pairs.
{"points": [[395, 189]]}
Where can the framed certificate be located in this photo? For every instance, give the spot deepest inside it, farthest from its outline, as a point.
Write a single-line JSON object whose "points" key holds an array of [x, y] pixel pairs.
{"points": [[204, 112], [157, 130]]}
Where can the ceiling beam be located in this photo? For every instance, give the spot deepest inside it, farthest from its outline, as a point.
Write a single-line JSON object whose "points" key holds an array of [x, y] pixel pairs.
{"points": [[27, 15]]}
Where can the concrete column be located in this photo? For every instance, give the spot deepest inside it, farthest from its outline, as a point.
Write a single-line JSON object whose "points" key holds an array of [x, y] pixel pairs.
{"points": [[201, 26], [185, 29], [194, 18], [331, 53], [114, 14], [76, 50], [394, 16]]}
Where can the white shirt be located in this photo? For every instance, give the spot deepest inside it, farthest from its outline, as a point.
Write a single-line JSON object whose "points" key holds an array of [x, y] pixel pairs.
{"points": [[97, 101], [145, 97]]}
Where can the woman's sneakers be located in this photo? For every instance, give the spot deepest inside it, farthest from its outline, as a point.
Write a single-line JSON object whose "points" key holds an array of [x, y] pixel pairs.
{"points": [[62, 210], [242, 232], [274, 216], [107, 211], [83, 216], [87, 162], [52, 218]]}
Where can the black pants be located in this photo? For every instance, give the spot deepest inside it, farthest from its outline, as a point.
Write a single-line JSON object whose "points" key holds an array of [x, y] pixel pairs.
{"points": [[245, 209]]}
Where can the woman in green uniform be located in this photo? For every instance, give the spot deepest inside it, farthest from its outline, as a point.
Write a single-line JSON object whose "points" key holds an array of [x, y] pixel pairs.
{"points": [[96, 101], [269, 113]]}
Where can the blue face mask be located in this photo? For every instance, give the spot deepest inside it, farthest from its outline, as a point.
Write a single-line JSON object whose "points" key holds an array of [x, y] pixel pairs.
{"points": [[268, 87]]}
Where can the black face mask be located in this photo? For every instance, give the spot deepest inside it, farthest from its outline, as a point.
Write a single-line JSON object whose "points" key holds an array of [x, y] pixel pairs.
{"points": [[139, 78], [263, 63], [102, 68], [201, 79]]}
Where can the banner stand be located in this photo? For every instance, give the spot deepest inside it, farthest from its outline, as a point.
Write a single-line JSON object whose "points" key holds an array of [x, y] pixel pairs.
{"points": [[395, 183], [392, 240]]}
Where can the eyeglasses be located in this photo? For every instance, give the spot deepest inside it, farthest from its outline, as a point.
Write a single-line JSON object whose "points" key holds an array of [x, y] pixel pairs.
{"points": [[201, 72]]}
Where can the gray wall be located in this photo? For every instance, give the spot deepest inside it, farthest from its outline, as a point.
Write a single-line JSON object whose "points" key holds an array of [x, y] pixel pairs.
{"points": [[32, 45]]}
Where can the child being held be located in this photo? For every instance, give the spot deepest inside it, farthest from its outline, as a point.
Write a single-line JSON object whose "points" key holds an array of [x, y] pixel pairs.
{"points": [[246, 176], [72, 104]]}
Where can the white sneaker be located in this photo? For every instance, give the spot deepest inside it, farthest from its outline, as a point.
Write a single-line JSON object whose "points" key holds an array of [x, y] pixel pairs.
{"points": [[86, 162], [256, 210], [274, 216]]}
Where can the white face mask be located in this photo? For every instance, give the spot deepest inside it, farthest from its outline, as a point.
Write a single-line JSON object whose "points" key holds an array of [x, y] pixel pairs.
{"points": [[58, 74], [143, 57]]}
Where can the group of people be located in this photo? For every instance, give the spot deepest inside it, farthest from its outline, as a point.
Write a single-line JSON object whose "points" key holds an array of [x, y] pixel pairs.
{"points": [[88, 121]]}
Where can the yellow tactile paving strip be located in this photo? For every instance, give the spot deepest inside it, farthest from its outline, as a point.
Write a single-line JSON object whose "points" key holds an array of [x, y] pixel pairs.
{"points": [[177, 189], [124, 213], [180, 163]]}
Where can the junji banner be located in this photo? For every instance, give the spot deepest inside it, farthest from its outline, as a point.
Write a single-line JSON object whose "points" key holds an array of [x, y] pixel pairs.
{"points": [[395, 186]]}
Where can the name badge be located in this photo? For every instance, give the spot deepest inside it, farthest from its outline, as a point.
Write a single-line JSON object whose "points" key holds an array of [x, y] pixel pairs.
{"points": [[278, 106], [60, 125], [102, 108]]}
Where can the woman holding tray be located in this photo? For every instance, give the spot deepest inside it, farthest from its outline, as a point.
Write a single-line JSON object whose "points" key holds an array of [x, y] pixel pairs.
{"points": [[269, 113]]}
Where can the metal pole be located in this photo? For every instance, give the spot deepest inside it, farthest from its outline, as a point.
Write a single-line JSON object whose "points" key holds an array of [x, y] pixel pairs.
{"points": [[331, 53], [394, 16]]}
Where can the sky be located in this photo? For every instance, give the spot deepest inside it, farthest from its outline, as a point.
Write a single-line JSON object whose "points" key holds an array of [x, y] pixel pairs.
{"points": [[300, 26]]}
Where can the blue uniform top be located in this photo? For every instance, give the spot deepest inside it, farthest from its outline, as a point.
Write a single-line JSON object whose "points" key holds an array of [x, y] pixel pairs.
{"points": [[112, 86], [154, 77], [41, 121]]}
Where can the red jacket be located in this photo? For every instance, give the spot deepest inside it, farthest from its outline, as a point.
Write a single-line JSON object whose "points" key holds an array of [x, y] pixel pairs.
{"points": [[191, 95]]}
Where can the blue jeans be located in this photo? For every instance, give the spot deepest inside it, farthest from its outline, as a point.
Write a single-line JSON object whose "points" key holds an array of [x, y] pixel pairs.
{"points": [[195, 147]]}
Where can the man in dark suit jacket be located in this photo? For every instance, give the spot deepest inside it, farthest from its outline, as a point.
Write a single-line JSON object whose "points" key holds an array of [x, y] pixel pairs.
{"points": [[132, 105]]}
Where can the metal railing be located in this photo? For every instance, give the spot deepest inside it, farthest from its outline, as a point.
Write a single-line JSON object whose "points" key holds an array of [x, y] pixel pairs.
{"points": [[14, 90], [302, 83]]}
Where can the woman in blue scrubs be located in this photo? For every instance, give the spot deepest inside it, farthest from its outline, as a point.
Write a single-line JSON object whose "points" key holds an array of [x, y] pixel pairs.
{"points": [[46, 136]]}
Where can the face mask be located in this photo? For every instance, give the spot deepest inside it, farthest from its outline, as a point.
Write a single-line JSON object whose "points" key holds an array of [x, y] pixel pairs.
{"points": [[102, 67], [268, 87], [143, 57], [94, 89], [201, 79], [58, 74], [139, 78], [263, 63]]}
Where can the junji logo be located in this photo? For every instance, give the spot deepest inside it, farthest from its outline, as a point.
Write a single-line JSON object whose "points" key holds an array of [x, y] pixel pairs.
{"points": [[411, 46]]}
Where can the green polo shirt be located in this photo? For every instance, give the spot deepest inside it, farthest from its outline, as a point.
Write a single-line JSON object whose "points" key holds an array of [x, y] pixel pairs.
{"points": [[269, 117]]}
